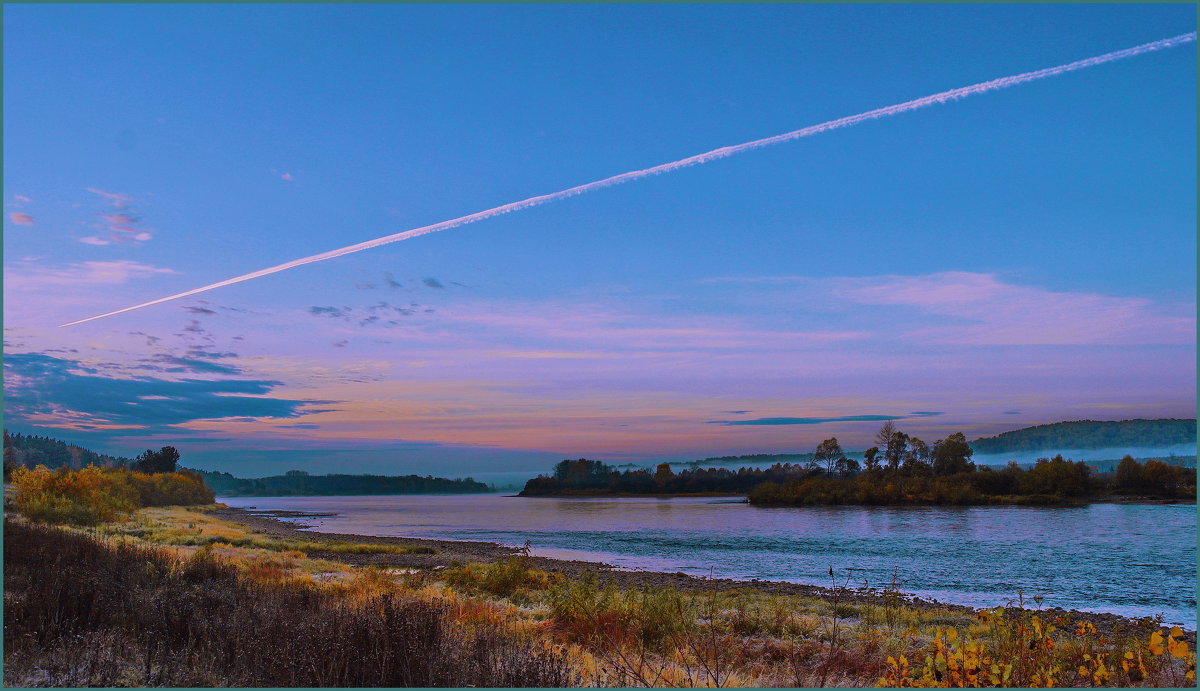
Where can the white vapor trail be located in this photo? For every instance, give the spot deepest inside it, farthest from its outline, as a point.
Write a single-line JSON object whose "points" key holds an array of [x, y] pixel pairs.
{"points": [[715, 154]]}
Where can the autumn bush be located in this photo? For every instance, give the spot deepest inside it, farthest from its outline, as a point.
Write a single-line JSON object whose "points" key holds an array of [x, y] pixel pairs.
{"points": [[93, 495], [1023, 649]]}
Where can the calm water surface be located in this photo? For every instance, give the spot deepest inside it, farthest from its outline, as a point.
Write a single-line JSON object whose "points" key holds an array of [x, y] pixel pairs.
{"points": [[1127, 559]]}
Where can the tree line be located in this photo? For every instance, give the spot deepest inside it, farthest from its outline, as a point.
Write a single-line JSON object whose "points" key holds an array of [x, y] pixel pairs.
{"points": [[1091, 434], [30, 451], [904, 470], [898, 469], [300, 483], [584, 476]]}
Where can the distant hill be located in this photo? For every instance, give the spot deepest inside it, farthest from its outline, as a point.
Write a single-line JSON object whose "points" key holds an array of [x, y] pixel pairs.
{"points": [[31, 451], [297, 483], [757, 458], [1090, 434]]}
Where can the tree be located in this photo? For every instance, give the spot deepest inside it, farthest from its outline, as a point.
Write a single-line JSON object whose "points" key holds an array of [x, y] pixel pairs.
{"points": [[1160, 478], [162, 461], [1057, 476], [1129, 474], [829, 454], [9, 464], [663, 474], [871, 458], [952, 455], [916, 458], [884, 435], [582, 473], [895, 450]]}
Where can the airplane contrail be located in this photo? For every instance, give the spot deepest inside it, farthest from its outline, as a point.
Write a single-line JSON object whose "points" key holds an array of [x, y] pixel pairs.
{"points": [[715, 154]]}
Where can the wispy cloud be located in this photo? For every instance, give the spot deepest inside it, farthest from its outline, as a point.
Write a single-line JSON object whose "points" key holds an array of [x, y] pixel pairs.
{"points": [[20, 218], [117, 199], [26, 277], [175, 364], [122, 224], [381, 313], [980, 309], [818, 420], [603, 326], [995, 312], [536, 354]]}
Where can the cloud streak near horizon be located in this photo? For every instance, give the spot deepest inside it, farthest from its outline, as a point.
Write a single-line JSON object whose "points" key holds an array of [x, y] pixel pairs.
{"points": [[715, 154], [822, 420]]}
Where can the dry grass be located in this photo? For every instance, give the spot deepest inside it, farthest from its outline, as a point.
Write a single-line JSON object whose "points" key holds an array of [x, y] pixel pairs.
{"points": [[125, 615], [191, 527]]}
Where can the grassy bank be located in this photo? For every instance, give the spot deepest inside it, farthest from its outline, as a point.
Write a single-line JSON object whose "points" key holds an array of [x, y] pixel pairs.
{"points": [[176, 596], [118, 614]]}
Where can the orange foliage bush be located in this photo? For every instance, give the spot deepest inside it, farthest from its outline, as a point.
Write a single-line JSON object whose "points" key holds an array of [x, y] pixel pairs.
{"points": [[94, 495]]}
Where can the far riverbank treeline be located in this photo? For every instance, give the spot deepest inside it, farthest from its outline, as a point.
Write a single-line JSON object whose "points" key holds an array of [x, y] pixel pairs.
{"points": [[297, 483], [900, 470], [28, 452]]}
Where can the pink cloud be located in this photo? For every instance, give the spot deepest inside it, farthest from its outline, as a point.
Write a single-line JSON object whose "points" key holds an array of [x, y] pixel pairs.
{"points": [[999, 313], [94, 240], [83, 274], [21, 219], [117, 199], [287, 176], [120, 221], [22, 198], [604, 327]]}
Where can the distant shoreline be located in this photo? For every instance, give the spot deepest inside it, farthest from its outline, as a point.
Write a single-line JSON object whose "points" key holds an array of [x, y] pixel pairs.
{"points": [[600, 494]]}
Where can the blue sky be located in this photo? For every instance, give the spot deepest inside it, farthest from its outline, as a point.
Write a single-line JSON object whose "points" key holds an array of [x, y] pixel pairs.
{"points": [[1029, 250]]}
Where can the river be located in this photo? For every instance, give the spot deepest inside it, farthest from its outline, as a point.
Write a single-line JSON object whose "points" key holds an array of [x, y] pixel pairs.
{"points": [[1133, 560]]}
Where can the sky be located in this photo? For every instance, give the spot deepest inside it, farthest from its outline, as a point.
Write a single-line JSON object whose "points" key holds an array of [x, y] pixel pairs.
{"points": [[1014, 258]]}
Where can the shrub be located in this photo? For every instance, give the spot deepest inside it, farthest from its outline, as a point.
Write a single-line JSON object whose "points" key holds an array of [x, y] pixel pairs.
{"points": [[503, 578], [82, 497], [94, 495], [608, 618]]}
